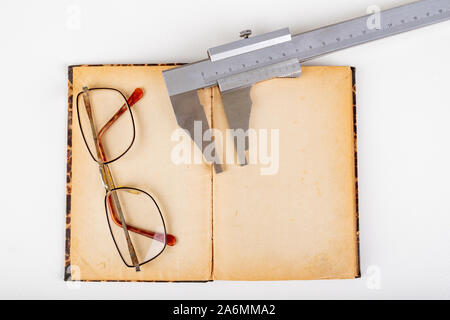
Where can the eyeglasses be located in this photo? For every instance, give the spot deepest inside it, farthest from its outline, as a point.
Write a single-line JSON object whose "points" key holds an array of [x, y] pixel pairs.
{"points": [[134, 217]]}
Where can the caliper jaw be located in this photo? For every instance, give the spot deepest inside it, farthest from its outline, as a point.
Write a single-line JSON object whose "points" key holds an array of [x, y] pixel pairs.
{"points": [[237, 103], [188, 110]]}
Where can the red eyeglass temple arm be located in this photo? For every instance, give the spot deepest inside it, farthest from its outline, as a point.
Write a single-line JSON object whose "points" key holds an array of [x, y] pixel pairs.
{"points": [[135, 97], [170, 239]]}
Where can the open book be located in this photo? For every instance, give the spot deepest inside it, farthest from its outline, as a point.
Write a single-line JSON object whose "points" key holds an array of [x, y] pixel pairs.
{"points": [[292, 216]]}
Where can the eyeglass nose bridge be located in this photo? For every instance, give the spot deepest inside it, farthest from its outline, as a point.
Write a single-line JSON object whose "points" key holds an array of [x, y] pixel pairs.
{"points": [[105, 175]]}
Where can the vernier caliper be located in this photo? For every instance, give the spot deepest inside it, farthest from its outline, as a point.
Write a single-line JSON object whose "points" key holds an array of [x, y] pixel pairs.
{"points": [[236, 66]]}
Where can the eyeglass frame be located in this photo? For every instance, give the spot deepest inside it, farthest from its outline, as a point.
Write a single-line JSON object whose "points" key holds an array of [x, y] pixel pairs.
{"points": [[106, 175]]}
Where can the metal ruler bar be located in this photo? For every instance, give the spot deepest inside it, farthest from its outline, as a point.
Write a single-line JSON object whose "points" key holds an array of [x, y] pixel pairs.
{"points": [[355, 32], [308, 45]]}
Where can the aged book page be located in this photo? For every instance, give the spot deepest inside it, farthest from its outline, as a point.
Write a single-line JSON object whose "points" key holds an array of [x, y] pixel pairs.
{"points": [[183, 192], [301, 221]]}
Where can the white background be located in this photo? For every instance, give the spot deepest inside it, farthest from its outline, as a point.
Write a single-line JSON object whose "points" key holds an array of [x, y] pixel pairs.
{"points": [[403, 138]]}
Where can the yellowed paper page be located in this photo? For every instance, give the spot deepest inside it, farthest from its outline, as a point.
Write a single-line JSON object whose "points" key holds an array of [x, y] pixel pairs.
{"points": [[300, 222], [183, 192]]}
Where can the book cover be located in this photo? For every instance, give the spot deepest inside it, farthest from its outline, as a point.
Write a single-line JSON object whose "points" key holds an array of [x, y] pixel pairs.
{"points": [[292, 216]]}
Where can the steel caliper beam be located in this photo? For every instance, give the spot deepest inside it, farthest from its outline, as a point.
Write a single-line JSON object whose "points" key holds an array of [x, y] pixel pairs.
{"points": [[240, 64]]}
